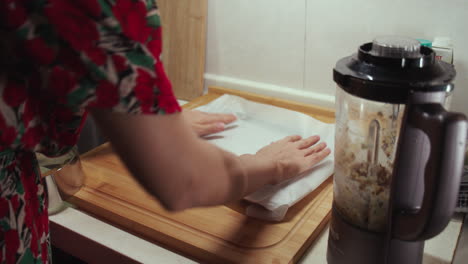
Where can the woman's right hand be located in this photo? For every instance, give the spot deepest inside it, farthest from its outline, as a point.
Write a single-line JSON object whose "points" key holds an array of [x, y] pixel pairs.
{"points": [[294, 154]]}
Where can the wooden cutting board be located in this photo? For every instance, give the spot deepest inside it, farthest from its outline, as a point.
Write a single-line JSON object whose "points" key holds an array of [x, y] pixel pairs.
{"points": [[222, 234]]}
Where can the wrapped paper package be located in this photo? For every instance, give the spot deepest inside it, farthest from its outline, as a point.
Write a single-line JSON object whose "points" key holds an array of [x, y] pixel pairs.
{"points": [[257, 126]]}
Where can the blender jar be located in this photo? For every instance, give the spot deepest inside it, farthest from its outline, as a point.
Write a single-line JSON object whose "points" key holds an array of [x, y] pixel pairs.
{"points": [[366, 139], [398, 152]]}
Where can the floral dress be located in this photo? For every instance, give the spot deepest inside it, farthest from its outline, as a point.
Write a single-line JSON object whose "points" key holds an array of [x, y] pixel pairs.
{"points": [[59, 58]]}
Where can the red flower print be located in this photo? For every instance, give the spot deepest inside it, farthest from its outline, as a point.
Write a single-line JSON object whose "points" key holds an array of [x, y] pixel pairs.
{"points": [[31, 108], [39, 51], [164, 85], [32, 137], [14, 93], [61, 82], [8, 136], [13, 12], [82, 122], [62, 115], [34, 241], [144, 90], [15, 202], [52, 129], [28, 214], [107, 95], [42, 226], [132, 18], [155, 45], [31, 216], [73, 24], [24, 162], [43, 219], [28, 178], [4, 207], [41, 223], [91, 7], [44, 252], [7, 133], [120, 63], [71, 61], [169, 104], [166, 98], [11, 167], [68, 138], [96, 55], [12, 245]]}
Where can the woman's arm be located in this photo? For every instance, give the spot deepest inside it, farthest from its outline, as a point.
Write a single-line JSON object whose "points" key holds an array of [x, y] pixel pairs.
{"points": [[183, 171]]}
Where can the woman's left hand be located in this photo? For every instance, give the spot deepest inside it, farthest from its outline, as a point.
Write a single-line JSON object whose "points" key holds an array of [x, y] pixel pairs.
{"points": [[208, 123]]}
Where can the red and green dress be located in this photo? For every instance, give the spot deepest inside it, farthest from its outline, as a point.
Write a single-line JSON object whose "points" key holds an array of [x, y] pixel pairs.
{"points": [[60, 58]]}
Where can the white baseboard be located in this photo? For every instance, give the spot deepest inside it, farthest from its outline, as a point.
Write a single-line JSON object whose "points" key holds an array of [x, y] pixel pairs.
{"points": [[307, 97]]}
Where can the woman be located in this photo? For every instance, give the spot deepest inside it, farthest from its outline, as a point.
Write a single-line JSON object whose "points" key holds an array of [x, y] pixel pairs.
{"points": [[60, 58]]}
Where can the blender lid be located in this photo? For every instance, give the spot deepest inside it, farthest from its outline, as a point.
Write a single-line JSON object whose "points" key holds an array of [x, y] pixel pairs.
{"points": [[390, 68]]}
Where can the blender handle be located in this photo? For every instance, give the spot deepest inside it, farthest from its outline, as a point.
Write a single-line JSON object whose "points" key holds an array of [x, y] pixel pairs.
{"points": [[431, 151]]}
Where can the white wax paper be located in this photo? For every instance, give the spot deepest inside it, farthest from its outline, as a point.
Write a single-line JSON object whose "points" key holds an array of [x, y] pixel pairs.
{"points": [[257, 126]]}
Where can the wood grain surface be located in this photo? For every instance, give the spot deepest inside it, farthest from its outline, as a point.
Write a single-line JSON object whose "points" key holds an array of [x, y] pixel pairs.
{"points": [[221, 234], [184, 45]]}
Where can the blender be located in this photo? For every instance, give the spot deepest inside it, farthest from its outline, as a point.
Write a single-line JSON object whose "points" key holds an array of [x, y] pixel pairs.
{"points": [[398, 152]]}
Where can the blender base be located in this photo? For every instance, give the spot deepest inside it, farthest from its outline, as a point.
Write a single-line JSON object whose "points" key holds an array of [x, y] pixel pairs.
{"points": [[353, 245]]}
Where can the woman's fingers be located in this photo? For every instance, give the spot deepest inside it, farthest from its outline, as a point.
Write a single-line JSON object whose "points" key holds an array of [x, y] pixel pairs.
{"points": [[292, 138], [308, 142], [316, 148], [318, 156], [295, 154], [206, 129], [215, 118]]}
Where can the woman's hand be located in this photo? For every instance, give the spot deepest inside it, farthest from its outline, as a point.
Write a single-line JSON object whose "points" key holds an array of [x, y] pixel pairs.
{"points": [[294, 155], [207, 123]]}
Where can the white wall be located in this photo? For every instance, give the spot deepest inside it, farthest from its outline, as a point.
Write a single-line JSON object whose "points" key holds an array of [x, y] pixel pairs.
{"points": [[288, 48]]}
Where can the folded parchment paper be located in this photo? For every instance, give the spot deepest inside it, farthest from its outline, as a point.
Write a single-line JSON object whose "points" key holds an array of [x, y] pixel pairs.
{"points": [[257, 126]]}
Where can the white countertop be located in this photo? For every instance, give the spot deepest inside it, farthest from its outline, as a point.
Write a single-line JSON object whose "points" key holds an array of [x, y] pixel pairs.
{"points": [[439, 250], [115, 238]]}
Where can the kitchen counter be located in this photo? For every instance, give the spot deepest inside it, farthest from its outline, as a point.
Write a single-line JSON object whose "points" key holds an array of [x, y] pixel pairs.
{"points": [[439, 250], [114, 240]]}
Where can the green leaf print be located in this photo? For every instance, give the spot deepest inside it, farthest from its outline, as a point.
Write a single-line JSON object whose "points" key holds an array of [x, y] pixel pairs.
{"points": [[110, 30], [5, 226], [106, 9], [41, 204], [150, 4], [2, 175], [46, 32], [140, 59], [19, 188], [125, 101], [154, 21], [74, 123], [95, 70], [23, 32], [37, 5], [20, 133], [28, 257], [79, 95]]}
